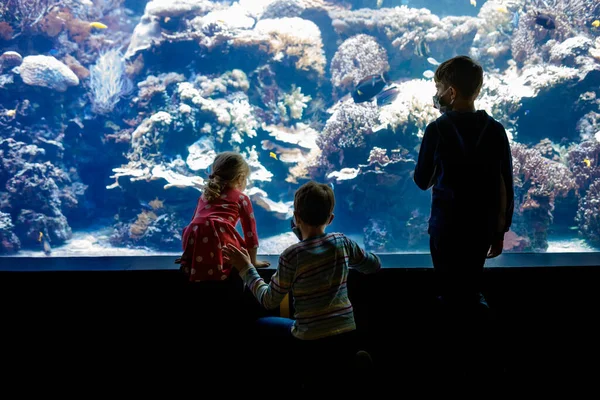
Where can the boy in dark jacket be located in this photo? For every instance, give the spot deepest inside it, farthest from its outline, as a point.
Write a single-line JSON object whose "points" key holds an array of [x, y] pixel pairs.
{"points": [[465, 156]]}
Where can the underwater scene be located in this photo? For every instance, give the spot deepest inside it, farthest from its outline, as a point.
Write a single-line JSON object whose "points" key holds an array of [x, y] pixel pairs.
{"points": [[112, 111]]}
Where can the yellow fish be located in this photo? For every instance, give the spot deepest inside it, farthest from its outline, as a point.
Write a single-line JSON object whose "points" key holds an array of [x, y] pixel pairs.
{"points": [[596, 24], [474, 3], [40, 237], [10, 113], [502, 9], [587, 162], [98, 25], [273, 155], [359, 92]]}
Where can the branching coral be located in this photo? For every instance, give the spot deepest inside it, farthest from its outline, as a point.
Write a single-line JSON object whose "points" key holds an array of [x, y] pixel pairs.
{"points": [[28, 13], [235, 114], [108, 82], [295, 102]]}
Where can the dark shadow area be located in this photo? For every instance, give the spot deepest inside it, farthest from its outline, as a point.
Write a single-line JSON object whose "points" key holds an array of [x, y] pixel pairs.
{"points": [[542, 325]]}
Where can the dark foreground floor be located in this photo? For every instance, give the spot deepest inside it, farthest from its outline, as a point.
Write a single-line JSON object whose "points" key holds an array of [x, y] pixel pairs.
{"points": [[107, 328]]}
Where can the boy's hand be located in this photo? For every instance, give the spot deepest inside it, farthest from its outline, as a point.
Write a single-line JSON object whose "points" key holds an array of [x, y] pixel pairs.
{"points": [[236, 257], [262, 264], [496, 249]]}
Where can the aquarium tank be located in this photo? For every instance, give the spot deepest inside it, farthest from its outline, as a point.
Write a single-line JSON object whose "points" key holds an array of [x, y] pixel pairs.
{"points": [[112, 111]]}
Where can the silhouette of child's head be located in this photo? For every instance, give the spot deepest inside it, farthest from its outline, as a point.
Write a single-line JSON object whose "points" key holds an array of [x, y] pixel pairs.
{"points": [[313, 203], [459, 78], [228, 170]]}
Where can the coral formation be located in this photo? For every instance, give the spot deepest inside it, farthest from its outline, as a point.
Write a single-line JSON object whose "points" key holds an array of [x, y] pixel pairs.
{"points": [[356, 58], [539, 182], [47, 71], [588, 214]]}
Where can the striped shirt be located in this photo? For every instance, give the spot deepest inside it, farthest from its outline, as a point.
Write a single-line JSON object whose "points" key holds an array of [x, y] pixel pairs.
{"points": [[315, 271]]}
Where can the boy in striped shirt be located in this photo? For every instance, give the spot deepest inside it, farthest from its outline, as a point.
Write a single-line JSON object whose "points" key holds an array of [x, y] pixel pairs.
{"points": [[315, 270]]}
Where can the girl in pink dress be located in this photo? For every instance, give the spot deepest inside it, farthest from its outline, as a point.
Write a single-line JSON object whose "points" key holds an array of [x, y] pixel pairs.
{"points": [[219, 209]]}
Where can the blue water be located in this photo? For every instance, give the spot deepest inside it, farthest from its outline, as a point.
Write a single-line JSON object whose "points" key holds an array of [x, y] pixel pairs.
{"points": [[107, 131]]}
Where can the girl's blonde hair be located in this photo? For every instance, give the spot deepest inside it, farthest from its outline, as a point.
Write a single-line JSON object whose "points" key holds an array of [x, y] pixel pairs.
{"points": [[227, 168]]}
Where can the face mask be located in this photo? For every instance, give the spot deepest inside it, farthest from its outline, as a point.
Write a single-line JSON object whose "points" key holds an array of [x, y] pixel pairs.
{"points": [[438, 105], [296, 230]]}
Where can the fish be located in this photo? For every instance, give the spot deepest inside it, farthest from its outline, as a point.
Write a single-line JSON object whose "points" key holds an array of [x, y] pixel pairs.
{"points": [[433, 61], [596, 24], [273, 155], [387, 96], [587, 162], [146, 206], [98, 25], [10, 113], [422, 48], [502, 9], [545, 21], [369, 87], [429, 74], [473, 3], [379, 3], [515, 20], [53, 52], [45, 244]]}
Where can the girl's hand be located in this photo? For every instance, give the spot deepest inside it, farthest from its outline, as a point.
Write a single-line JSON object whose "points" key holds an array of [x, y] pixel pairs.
{"points": [[236, 257], [262, 264]]}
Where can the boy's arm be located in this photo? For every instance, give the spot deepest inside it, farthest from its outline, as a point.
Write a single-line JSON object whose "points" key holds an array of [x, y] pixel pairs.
{"points": [[363, 262], [507, 178], [270, 295], [425, 169]]}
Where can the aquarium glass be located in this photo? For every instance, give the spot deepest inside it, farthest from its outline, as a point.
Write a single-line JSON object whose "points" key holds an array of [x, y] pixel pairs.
{"points": [[112, 111]]}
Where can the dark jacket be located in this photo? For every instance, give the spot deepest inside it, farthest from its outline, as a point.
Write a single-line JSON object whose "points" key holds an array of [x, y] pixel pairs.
{"points": [[466, 157]]}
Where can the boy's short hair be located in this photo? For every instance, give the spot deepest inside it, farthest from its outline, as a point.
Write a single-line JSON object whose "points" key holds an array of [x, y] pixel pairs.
{"points": [[463, 73], [314, 202]]}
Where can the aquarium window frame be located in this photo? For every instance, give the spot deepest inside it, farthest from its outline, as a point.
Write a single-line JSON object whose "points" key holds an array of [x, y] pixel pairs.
{"points": [[388, 261]]}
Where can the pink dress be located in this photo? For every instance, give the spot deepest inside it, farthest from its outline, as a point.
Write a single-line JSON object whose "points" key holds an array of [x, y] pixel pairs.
{"points": [[212, 227]]}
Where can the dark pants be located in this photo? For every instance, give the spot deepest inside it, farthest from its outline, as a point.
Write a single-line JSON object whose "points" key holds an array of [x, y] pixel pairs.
{"points": [[465, 338], [458, 261]]}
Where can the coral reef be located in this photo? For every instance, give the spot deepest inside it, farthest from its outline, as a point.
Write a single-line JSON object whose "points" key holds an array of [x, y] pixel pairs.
{"points": [[108, 82], [588, 214], [9, 242], [584, 162], [47, 71], [409, 35], [539, 182], [356, 58], [344, 134], [38, 194]]}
